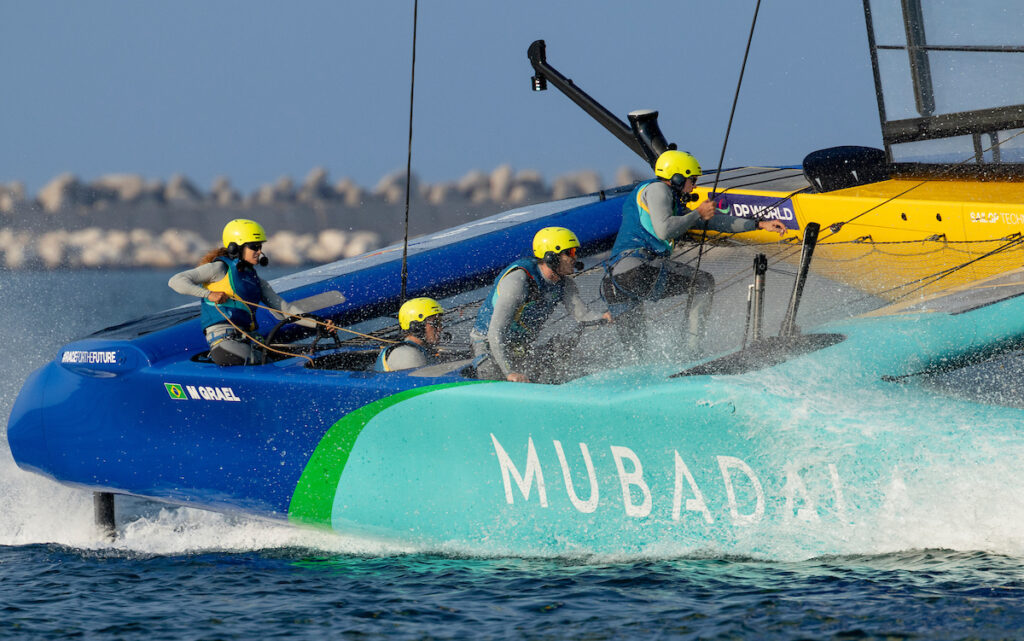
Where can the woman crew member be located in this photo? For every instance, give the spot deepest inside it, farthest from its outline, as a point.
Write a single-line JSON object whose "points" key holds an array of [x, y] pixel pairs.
{"points": [[227, 282]]}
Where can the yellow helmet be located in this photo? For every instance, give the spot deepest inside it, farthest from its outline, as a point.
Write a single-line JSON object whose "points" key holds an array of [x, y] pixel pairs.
{"points": [[553, 239], [241, 231], [674, 162], [417, 310]]}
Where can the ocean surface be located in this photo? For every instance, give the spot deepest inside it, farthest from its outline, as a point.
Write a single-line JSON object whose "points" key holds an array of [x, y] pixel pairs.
{"points": [[176, 573]]}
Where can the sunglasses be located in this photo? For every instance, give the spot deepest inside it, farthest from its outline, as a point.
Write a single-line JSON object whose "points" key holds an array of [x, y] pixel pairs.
{"points": [[434, 321], [254, 246], [571, 251]]}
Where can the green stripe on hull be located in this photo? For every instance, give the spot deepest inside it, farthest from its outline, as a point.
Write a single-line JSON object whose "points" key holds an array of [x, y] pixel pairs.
{"points": [[313, 500]]}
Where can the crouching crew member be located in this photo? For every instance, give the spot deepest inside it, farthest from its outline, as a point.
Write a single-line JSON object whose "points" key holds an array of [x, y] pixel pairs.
{"points": [[523, 297], [227, 282], [640, 266], [420, 318]]}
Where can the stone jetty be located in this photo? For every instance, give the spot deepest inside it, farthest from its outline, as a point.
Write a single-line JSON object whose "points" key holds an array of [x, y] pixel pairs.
{"points": [[125, 220]]}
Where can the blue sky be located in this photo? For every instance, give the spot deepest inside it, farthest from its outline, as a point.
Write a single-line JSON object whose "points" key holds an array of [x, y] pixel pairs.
{"points": [[254, 90]]}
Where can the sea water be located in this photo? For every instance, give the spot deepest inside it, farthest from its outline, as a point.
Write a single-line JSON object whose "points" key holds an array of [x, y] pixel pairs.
{"points": [[177, 573]]}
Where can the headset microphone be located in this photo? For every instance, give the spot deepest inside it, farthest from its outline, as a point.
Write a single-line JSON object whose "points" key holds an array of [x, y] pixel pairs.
{"points": [[264, 261], [578, 265]]}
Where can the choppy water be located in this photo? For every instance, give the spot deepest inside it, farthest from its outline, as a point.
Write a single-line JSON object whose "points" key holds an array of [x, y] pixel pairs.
{"points": [[187, 574]]}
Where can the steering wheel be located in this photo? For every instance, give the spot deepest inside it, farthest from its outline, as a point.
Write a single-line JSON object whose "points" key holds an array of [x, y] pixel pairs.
{"points": [[320, 333]]}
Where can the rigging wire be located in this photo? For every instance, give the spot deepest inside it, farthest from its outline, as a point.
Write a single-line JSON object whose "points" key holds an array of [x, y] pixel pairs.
{"points": [[721, 158], [931, 279], [835, 227], [312, 320], [408, 157], [791, 250]]}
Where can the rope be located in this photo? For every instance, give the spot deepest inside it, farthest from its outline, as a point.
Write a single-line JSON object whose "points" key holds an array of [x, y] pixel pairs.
{"points": [[256, 340], [408, 157], [313, 320]]}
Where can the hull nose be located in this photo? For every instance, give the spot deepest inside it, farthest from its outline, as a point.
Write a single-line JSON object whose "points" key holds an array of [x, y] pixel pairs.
{"points": [[25, 435]]}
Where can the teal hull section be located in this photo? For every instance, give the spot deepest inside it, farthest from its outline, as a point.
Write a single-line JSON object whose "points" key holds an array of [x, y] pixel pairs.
{"points": [[794, 459], [676, 468]]}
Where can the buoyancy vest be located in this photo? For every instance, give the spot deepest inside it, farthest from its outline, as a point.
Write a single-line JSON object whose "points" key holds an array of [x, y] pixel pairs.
{"points": [[382, 359], [243, 283], [636, 233], [540, 302]]}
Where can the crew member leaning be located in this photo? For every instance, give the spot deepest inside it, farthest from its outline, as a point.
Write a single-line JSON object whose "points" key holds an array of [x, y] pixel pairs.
{"points": [[523, 297], [640, 266]]}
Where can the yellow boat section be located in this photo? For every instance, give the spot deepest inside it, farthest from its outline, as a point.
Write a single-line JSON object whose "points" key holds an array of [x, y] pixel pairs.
{"points": [[897, 237]]}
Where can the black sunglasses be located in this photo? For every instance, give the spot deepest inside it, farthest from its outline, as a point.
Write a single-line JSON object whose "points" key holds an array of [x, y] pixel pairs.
{"points": [[254, 246]]}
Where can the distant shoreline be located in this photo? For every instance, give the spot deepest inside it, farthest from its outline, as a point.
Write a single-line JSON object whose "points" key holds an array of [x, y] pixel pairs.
{"points": [[123, 221]]}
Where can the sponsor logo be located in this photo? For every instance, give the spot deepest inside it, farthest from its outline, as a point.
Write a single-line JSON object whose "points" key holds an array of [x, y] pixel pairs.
{"points": [[1005, 217], [761, 208], [103, 358], [201, 393], [743, 496], [174, 391]]}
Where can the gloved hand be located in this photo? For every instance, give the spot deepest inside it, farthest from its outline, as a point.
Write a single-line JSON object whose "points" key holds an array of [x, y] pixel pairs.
{"points": [[324, 326]]}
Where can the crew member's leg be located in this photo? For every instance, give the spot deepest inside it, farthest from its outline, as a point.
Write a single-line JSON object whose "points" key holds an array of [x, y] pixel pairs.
{"points": [[632, 281], [679, 279], [227, 347], [231, 352]]}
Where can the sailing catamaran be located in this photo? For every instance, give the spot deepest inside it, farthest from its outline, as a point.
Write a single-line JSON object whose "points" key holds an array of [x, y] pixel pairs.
{"points": [[802, 435]]}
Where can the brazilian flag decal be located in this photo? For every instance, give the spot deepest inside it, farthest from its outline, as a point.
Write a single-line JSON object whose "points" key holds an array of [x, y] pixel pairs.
{"points": [[174, 391]]}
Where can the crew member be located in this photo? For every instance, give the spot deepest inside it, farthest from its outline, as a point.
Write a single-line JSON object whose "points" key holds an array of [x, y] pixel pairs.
{"points": [[420, 318], [523, 297], [227, 282], [640, 266]]}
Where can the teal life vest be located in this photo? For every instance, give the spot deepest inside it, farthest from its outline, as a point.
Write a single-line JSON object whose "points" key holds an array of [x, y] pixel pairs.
{"points": [[540, 302], [243, 283], [382, 359], [636, 233]]}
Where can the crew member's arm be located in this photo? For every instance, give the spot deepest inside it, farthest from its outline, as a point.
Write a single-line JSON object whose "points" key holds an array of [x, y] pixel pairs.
{"points": [[661, 207], [661, 202], [512, 292], [190, 282], [735, 225]]}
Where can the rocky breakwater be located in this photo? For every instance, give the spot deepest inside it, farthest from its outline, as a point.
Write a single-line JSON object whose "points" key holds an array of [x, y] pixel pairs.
{"points": [[125, 220]]}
